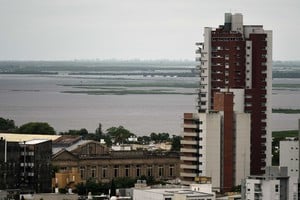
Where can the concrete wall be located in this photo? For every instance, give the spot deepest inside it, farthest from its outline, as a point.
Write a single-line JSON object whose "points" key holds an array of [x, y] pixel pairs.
{"points": [[242, 144], [289, 154], [211, 148]]}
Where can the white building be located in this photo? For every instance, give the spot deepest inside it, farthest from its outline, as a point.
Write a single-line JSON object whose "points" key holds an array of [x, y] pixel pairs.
{"points": [[289, 157], [234, 60], [215, 160], [274, 184]]}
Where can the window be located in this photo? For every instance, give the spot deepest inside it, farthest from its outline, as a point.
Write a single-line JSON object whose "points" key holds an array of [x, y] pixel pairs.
{"points": [[127, 170], [276, 188], [104, 171], [63, 169], [116, 170], [149, 171], [93, 172], [81, 169], [160, 170], [171, 170], [138, 170]]}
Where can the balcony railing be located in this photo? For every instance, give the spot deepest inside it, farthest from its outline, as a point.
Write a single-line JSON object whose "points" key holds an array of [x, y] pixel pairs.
{"points": [[187, 158], [185, 150], [185, 166], [183, 174]]}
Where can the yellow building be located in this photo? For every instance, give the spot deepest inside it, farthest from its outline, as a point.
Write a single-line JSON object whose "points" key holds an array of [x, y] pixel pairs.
{"points": [[66, 179]]}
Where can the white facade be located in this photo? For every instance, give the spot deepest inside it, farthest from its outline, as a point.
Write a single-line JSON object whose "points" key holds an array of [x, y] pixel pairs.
{"points": [[205, 69], [289, 157], [210, 156], [274, 184], [242, 145], [262, 189], [269, 57]]}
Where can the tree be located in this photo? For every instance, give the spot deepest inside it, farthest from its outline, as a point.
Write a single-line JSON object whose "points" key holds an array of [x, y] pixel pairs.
{"points": [[82, 132], [113, 188], [176, 143], [37, 128], [7, 125], [124, 182], [160, 137], [99, 129], [144, 139], [119, 134]]}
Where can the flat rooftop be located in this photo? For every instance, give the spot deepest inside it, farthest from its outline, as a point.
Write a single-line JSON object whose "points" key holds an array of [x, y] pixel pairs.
{"points": [[15, 137]]}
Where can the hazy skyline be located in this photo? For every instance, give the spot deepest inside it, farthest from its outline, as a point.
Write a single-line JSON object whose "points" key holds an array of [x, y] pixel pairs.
{"points": [[133, 29]]}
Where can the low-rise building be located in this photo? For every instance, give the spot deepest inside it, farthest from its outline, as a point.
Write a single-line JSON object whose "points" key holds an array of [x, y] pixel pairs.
{"points": [[92, 160], [274, 184], [25, 165]]}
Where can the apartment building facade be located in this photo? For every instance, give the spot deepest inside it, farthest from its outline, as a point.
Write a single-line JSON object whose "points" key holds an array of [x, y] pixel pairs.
{"points": [[233, 58], [26, 165]]}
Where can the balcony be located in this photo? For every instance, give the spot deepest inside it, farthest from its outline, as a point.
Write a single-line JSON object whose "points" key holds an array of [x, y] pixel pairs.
{"points": [[189, 116], [263, 68], [198, 59], [187, 158], [199, 43], [182, 174], [194, 126], [194, 134], [198, 51], [185, 150], [189, 142], [184, 166]]}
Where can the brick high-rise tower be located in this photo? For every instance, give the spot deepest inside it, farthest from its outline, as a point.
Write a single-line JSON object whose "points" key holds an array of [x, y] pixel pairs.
{"points": [[234, 58]]}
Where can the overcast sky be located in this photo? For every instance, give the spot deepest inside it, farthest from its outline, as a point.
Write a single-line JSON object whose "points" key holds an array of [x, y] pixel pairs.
{"points": [[134, 29]]}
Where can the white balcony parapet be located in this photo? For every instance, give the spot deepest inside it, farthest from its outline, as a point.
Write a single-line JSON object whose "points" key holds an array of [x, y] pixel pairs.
{"points": [[188, 158], [185, 150], [188, 142]]}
